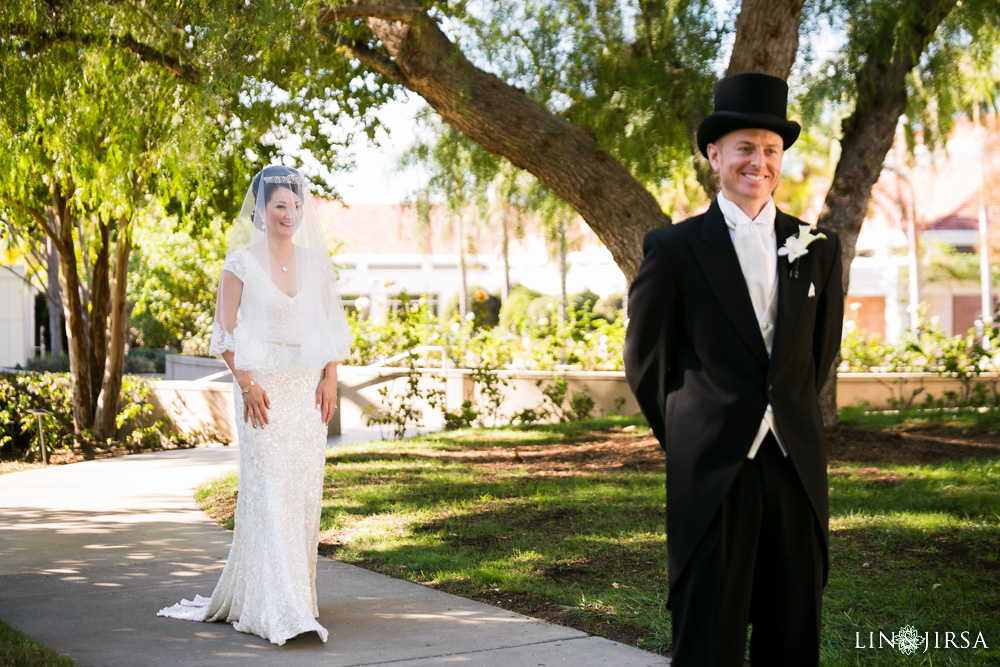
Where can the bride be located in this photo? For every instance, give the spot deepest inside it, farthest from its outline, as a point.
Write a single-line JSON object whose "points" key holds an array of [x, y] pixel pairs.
{"points": [[280, 327]]}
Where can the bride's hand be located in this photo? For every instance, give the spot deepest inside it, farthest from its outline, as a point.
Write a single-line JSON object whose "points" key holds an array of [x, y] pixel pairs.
{"points": [[255, 405], [326, 398]]}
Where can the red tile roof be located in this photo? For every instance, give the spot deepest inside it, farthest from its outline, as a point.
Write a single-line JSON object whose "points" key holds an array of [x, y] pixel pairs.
{"points": [[389, 229]]}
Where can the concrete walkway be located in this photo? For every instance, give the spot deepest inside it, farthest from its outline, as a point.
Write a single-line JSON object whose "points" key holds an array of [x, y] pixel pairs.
{"points": [[89, 552]]}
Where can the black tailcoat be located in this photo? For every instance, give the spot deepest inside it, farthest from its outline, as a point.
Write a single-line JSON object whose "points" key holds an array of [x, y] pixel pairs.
{"points": [[697, 363]]}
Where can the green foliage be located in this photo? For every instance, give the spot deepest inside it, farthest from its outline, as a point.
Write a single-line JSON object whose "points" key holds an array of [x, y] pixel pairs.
{"points": [[464, 418], [514, 312], [399, 409], [22, 392], [583, 340], [138, 361], [928, 350], [483, 306], [942, 263], [50, 363], [489, 353], [954, 75], [636, 74], [925, 350], [581, 403], [411, 325], [609, 308], [135, 430], [173, 276]]}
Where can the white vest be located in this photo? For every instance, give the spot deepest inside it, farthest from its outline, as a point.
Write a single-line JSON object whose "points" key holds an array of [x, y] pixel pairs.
{"points": [[759, 268]]}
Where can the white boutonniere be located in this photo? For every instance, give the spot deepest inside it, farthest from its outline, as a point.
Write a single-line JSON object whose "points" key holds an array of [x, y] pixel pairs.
{"points": [[798, 246]]}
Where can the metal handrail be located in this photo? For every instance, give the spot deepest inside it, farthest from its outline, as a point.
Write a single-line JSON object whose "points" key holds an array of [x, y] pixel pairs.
{"points": [[357, 369], [403, 355]]}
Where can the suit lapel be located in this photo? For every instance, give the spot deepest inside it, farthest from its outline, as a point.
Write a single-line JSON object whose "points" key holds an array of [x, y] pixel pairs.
{"points": [[715, 253], [792, 292]]}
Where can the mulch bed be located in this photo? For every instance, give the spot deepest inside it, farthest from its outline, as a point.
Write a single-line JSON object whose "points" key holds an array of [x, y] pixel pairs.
{"points": [[917, 446], [641, 452]]}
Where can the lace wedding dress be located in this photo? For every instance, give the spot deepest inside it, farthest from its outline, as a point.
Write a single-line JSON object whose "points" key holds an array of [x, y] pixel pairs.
{"points": [[268, 586]]}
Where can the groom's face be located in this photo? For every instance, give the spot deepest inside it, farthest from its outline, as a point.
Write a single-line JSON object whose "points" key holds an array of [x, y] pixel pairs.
{"points": [[749, 164]]}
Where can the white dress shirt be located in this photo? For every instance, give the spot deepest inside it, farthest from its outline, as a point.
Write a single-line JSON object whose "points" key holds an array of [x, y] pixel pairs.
{"points": [[758, 255]]}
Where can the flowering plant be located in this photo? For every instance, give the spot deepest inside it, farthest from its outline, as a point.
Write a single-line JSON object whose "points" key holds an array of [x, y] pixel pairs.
{"points": [[798, 246]]}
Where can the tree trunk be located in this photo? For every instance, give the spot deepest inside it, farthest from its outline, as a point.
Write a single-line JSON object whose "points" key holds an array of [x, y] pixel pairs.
{"points": [[505, 286], [563, 271], [79, 366], [100, 297], [828, 397], [107, 402], [869, 132], [463, 295], [767, 37], [508, 123], [54, 299]]}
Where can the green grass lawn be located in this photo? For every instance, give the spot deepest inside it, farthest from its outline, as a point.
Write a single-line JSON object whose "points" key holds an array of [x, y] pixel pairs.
{"points": [[564, 533], [16, 649], [961, 421]]}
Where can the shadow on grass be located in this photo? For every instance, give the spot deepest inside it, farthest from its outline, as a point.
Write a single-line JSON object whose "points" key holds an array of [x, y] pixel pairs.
{"points": [[882, 579]]}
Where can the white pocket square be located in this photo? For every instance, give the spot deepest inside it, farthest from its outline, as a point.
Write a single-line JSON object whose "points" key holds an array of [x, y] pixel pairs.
{"points": [[812, 289]]}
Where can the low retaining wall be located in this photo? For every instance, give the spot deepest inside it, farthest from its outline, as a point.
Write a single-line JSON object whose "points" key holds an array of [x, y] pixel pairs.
{"points": [[894, 390], [204, 408], [199, 410]]}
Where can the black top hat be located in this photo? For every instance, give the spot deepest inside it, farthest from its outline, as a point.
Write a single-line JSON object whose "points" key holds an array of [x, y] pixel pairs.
{"points": [[748, 100]]}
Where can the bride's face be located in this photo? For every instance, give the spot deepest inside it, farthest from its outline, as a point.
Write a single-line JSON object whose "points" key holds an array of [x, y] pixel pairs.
{"points": [[284, 212]]}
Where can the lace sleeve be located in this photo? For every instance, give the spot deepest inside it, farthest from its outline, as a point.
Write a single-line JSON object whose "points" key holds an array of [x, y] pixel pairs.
{"points": [[236, 264], [222, 340], [227, 303]]}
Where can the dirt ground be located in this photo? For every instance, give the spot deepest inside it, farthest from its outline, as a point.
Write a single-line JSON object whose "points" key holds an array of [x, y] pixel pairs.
{"points": [[916, 446], [634, 450], [641, 452]]}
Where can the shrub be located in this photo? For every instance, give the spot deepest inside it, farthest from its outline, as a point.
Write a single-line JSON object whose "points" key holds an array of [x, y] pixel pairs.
{"points": [[50, 363], [22, 392], [485, 308], [140, 360], [514, 312], [543, 311], [609, 308], [585, 301], [928, 350]]}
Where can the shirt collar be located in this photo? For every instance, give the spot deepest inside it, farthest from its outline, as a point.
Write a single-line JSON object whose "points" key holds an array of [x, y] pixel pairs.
{"points": [[734, 215]]}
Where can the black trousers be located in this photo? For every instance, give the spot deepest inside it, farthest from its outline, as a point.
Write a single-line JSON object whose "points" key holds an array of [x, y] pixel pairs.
{"points": [[761, 563]]}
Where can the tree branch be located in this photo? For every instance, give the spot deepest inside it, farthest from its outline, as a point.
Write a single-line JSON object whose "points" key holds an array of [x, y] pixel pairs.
{"points": [[366, 55], [507, 123], [767, 37], [38, 41], [388, 10]]}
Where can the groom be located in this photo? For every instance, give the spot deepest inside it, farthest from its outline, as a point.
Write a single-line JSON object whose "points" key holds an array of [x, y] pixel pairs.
{"points": [[730, 338]]}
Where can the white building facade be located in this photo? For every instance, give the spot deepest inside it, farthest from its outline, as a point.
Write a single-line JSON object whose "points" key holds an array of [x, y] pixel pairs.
{"points": [[17, 316]]}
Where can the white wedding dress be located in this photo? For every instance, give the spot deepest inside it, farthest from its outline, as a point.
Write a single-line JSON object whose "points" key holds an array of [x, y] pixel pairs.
{"points": [[268, 586]]}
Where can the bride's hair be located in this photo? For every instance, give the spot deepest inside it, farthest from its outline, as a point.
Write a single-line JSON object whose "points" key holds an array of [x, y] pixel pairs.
{"points": [[271, 178]]}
